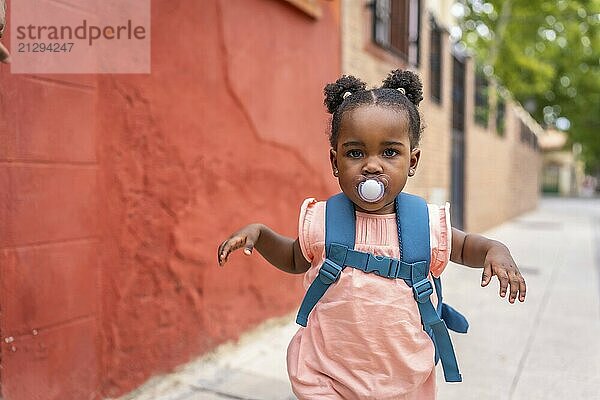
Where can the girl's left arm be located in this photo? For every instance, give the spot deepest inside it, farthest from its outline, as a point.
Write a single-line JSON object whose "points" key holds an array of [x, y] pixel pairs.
{"points": [[477, 251]]}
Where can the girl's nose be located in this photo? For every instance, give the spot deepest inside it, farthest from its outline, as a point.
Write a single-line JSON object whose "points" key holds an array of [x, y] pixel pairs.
{"points": [[372, 166]]}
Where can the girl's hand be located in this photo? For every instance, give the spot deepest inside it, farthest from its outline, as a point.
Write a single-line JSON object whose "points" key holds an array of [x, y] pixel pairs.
{"points": [[4, 55], [499, 262], [245, 237]]}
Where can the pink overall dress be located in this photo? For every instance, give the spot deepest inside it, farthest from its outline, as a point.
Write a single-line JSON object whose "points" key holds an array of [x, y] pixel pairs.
{"points": [[364, 338]]}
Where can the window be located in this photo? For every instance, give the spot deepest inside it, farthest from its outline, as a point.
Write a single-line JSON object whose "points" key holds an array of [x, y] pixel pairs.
{"points": [[435, 63], [528, 137], [458, 94], [550, 178], [396, 27], [500, 110], [482, 109], [524, 130]]}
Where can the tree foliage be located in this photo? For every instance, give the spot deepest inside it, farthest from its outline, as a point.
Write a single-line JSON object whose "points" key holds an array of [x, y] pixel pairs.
{"points": [[547, 53]]}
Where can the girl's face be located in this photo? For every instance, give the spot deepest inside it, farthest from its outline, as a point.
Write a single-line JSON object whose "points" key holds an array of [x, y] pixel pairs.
{"points": [[374, 141]]}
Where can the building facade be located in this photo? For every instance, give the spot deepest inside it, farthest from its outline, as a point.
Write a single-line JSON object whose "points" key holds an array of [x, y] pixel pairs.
{"points": [[488, 171], [563, 170]]}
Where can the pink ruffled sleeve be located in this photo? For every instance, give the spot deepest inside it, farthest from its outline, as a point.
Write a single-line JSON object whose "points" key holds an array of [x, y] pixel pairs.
{"points": [[311, 226], [441, 237]]}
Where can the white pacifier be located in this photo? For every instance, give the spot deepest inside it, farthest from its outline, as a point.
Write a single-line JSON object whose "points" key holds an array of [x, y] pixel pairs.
{"points": [[372, 190]]}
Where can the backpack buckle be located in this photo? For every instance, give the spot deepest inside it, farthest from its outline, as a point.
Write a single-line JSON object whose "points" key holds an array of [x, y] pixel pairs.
{"points": [[329, 272], [379, 265], [422, 290]]}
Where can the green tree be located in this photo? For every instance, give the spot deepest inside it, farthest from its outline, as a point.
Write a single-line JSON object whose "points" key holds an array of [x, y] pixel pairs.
{"points": [[547, 53]]}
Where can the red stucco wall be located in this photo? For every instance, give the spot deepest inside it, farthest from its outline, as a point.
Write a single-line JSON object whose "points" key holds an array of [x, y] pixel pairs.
{"points": [[49, 237], [115, 191]]}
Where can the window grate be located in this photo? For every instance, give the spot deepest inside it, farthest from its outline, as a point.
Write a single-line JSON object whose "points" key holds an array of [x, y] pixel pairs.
{"points": [[435, 63], [482, 109], [396, 25]]}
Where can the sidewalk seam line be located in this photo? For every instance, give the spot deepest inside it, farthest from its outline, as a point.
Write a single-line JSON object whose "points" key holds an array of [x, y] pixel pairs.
{"points": [[534, 329], [217, 392]]}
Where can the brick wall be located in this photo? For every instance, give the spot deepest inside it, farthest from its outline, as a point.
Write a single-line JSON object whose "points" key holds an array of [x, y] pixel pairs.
{"points": [[501, 173], [364, 59]]}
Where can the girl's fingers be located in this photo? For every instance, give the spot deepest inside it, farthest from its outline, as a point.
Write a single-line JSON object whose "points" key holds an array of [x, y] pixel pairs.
{"points": [[522, 289], [514, 288], [233, 244], [220, 251], [223, 252], [4, 54], [487, 275], [248, 247], [503, 278], [228, 247]]}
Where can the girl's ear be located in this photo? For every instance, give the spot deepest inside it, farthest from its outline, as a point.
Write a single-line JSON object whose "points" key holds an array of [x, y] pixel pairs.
{"points": [[334, 164], [415, 155]]}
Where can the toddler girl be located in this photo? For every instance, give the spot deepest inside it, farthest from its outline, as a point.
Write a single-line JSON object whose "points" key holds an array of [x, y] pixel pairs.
{"points": [[365, 338]]}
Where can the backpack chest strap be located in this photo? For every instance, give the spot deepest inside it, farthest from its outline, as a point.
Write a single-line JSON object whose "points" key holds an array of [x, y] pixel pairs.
{"points": [[384, 266], [341, 257]]}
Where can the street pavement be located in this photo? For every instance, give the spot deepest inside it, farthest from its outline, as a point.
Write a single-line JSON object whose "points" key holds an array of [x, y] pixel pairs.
{"points": [[546, 348]]}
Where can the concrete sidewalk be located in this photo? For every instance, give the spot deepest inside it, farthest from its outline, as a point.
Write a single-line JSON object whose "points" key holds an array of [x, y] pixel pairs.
{"points": [[546, 348]]}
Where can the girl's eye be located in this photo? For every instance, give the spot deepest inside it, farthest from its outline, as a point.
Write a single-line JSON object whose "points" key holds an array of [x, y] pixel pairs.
{"points": [[354, 153], [390, 152]]}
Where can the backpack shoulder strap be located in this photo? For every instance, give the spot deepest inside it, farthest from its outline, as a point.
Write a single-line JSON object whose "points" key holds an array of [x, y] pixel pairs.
{"points": [[413, 232], [340, 222], [340, 228], [412, 217]]}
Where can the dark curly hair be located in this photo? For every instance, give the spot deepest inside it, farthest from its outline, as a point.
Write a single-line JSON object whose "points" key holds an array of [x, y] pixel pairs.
{"points": [[349, 93]]}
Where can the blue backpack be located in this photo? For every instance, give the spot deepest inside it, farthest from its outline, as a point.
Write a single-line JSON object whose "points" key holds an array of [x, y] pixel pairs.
{"points": [[413, 267]]}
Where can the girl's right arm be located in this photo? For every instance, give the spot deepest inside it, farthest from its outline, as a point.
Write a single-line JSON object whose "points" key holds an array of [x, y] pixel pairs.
{"points": [[282, 252]]}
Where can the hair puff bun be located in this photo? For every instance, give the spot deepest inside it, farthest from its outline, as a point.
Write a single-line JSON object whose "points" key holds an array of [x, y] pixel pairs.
{"points": [[334, 92], [407, 80]]}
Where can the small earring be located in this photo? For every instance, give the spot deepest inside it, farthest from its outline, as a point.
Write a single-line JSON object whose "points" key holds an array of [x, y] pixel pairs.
{"points": [[335, 172], [411, 172]]}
